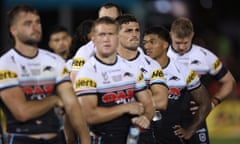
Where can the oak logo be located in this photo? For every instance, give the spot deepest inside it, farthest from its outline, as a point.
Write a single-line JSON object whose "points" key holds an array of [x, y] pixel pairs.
{"points": [[116, 96], [85, 82], [6, 74], [78, 63]]}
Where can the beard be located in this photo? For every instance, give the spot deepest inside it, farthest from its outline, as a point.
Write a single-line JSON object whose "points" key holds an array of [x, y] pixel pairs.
{"points": [[30, 40]]}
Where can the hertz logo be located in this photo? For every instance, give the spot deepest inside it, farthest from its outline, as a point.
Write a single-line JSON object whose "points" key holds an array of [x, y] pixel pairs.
{"points": [[78, 63], [5, 74], [157, 74], [216, 64], [85, 82], [191, 77], [65, 71]]}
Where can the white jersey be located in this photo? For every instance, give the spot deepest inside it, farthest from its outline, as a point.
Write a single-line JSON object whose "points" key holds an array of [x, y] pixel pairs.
{"points": [[199, 59], [37, 76], [151, 69], [82, 55], [114, 84]]}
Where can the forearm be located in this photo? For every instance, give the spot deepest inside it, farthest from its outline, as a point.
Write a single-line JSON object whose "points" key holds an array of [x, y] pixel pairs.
{"points": [[70, 135]]}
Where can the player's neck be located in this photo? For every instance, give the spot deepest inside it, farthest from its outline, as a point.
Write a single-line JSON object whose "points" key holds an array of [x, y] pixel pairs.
{"points": [[26, 50], [127, 53]]}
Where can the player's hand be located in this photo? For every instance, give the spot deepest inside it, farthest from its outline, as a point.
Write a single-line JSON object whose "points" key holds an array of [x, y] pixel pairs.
{"points": [[193, 107], [181, 132], [135, 108], [141, 121]]}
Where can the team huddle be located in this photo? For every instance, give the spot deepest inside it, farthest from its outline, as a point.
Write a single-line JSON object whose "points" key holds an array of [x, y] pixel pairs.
{"points": [[113, 81]]}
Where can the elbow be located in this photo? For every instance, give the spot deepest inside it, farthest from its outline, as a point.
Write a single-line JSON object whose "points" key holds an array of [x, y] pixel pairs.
{"points": [[21, 116], [161, 105]]}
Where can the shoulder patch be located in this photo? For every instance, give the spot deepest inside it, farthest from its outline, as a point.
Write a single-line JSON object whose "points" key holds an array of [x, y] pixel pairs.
{"points": [[140, 77], [216, 64], [85, 82], [78, 63], [192, 75], [65, 71], [6, 74]]}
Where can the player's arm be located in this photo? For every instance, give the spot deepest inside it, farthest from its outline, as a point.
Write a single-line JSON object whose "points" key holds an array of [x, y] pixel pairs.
{"points": [[74, 111], [202, 98], [23, 109], [160, 96], [144, 119], [227, 85], [95, 114]]}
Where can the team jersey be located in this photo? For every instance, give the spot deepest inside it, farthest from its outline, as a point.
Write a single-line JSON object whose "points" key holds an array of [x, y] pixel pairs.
{"points": [[37, 77], [114, 84], [152, 71], [201, 60], [179, 79], [82, 55]]}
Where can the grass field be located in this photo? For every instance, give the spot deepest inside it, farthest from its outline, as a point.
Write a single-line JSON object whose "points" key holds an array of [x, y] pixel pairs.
{"points": [[225, 141]]}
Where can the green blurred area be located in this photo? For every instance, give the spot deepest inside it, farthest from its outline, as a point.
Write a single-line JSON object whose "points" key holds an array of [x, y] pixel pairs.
{"points": [[225, 141]]}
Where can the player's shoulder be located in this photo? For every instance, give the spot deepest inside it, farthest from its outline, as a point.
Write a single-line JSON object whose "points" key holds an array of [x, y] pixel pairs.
{"points": [[48, 55]]}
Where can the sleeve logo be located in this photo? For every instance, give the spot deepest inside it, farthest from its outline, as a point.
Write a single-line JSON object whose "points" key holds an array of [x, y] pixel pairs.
{"points": [[65, 71], [216, 64], [191, 77], [78, 63], [6, 74], [85, 82]]}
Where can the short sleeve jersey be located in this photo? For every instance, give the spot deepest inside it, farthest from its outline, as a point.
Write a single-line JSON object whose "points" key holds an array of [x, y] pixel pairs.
{"points": [[82, 55], [152, 71], [113, 84], [199, 59], [179, 79], [37, 77]]}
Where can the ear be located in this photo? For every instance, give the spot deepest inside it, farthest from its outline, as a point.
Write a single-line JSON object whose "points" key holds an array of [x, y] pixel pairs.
{"points": [[50, 44], [192, 35], [13, 30]]}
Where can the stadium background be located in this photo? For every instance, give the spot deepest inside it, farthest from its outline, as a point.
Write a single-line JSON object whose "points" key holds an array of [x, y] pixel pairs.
{"points": [[216, 26]]}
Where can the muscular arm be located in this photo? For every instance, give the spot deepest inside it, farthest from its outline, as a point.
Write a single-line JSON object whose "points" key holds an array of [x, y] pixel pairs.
{"points": [[95, 114], [160, 96], [24, 110], [228, 84], [202, 98], [74, 111]]}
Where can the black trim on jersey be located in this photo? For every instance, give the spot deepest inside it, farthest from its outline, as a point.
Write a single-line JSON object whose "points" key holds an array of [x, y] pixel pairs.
{"points": [[195, 87], [86, 94], [138, 53], [63, 81], [223, 71], [144, 88], [104, 62], [9, 87], [25, 55], [168, 62]]}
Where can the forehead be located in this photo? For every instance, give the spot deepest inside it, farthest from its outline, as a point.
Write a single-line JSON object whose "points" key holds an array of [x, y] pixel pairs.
{"points": [[150, 36], [110, 12], [58, 34], [24, 16], [130, 25], [105, 27]]}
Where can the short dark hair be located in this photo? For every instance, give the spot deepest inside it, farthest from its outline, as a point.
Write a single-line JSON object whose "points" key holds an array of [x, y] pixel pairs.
{"points": [[57, 29], [111, 5], [160, 31], [12, 13], [126, 18]]}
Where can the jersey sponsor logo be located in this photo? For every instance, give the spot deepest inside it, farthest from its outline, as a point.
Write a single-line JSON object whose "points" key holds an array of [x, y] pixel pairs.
{"points": [[30, 90], [175, 78], [191, 77], [6, 74], [119, 96], [196, 62], [157, 74], [78, 63], [216, 64], [65, 71], [174, 93], [140, 77], [85, 82]]}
